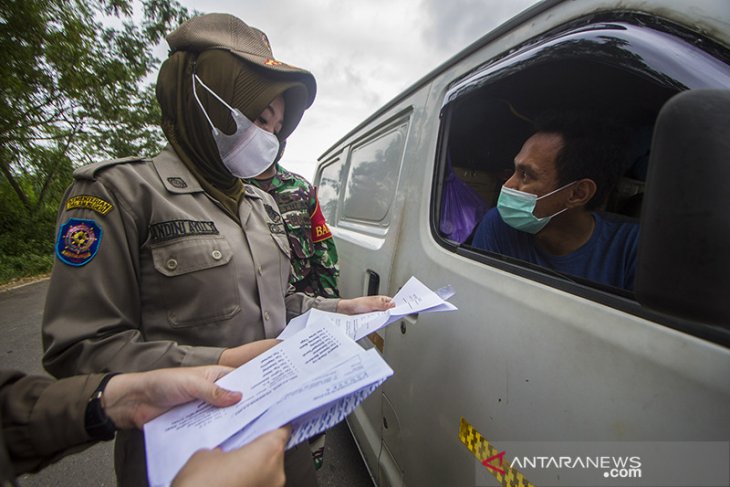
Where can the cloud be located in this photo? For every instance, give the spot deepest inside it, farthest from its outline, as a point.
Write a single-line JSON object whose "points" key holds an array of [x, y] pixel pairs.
{"points": [[455, 24], [363, 54]]}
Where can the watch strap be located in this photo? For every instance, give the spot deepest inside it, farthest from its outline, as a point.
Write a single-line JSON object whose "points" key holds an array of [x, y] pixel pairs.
{"points": [[98, 425]]}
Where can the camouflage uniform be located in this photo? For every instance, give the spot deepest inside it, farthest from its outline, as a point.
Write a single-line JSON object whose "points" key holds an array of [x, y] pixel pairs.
{"points": [[314, 268]]}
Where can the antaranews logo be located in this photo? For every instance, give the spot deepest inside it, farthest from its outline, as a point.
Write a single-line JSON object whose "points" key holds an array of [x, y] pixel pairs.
{"points": [[620, 467], [488, 462], [597, 463]]}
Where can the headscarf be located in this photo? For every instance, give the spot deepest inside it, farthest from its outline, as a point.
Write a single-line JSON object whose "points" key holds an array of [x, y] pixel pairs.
{"points": [[235, 61]]}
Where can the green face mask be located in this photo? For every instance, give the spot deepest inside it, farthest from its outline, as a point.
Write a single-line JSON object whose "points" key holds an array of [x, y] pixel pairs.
{"points": [[516, 207]]}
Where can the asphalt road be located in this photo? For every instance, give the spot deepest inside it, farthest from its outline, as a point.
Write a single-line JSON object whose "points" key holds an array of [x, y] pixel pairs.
{"points": [[21, 310]]}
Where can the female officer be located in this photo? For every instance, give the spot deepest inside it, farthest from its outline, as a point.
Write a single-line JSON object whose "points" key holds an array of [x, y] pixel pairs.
{"points": [[172, 260]]}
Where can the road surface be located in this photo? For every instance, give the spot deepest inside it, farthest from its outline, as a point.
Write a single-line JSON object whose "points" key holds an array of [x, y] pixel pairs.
{"points": [[20, 323]]}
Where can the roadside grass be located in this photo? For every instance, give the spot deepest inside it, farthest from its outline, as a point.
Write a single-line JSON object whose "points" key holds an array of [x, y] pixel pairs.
{"points": [[27, 241], [15, 267]]}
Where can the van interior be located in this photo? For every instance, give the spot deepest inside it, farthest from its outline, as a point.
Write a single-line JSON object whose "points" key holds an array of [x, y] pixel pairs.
{"points": [[623, 71], [490, 125]]}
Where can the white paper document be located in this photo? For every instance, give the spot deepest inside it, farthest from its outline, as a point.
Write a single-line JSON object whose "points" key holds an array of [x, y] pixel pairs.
{"points": [[413, 297], [320, 403], [312, 380], [313, 370]]}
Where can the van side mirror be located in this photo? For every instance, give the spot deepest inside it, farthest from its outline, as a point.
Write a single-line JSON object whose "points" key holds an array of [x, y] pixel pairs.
{"points": [[684, 244]]}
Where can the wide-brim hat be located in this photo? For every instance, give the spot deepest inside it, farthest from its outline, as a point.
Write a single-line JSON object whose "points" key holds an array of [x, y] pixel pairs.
{"points": [[227, 32]]}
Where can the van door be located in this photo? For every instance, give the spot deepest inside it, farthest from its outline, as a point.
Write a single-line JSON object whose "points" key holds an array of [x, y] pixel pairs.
{"points": [[531, 355], [359, 193]]}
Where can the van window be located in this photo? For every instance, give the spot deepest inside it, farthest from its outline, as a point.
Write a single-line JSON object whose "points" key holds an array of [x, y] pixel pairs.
{"points": [[328, 190], [623, 70], [373, 175]]}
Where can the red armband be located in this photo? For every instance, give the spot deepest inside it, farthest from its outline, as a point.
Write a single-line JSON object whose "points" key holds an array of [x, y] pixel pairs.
{"points": [[320, 230]]}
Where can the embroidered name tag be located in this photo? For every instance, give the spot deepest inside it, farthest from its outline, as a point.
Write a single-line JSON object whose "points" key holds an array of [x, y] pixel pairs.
{"points": [[90, 202], [180, 228], [293, 206]]}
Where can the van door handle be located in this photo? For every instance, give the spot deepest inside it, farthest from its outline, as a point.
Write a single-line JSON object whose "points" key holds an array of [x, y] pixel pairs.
{"points": [[373, 283]]}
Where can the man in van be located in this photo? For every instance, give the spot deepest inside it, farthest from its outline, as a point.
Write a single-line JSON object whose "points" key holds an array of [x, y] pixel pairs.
{"points": [[547, 214]]}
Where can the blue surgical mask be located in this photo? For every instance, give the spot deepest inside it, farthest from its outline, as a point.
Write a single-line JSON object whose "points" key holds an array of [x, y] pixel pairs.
{"points": [[250, 150], [516, 209]]}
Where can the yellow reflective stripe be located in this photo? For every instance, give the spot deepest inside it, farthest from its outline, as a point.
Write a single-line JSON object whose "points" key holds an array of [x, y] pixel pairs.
{"points": [[483, 450]]}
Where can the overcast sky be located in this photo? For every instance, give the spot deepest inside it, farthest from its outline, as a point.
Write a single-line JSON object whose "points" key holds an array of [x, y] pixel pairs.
{"points": [[362, 53]]}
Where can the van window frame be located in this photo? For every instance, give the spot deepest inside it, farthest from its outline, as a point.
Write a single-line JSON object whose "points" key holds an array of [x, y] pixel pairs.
{"points": [[379, 229], [340, 158], [480, 78]]}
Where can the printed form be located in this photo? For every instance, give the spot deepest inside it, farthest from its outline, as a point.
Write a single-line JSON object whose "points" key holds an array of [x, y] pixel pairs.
{"points": [[312, 380], [320, 403], [413, 297], [172, 438]]}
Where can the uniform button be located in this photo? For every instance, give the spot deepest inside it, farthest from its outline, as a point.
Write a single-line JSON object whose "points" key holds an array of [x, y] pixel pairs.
{"points": [[172, 264], [261, 271], [216, 254], [266, 315]]}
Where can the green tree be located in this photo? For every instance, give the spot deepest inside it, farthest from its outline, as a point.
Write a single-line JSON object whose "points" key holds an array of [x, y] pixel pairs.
{"points": [[74, 89]]}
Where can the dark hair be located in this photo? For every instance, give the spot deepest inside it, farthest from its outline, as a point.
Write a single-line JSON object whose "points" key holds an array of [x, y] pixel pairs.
{"points": [[594, 147]]}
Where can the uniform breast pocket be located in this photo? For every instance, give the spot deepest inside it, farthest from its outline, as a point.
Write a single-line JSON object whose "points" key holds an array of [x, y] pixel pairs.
{"points": [[284, 256], [198, 280]]}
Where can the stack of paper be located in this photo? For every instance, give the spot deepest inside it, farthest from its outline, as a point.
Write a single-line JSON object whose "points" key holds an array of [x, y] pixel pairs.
{"points": [[312, 380], [413, 297]]}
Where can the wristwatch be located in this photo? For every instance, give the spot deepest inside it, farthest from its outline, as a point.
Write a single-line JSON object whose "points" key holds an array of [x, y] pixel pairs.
{"points": [[98, 425]]}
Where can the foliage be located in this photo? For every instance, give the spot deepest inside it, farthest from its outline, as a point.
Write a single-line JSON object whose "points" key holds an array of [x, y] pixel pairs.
{"points": [[74, 90]]}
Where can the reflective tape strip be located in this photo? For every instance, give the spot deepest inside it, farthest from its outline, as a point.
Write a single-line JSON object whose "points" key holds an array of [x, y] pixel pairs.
{"points": [[493, 460]]}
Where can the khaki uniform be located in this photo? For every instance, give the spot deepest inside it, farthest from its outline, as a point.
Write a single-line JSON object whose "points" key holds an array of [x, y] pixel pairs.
{"points": [[42, 420], [152, 272]]}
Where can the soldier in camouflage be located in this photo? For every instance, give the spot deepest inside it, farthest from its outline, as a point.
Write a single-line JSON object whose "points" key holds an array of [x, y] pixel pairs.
{"points": [[314, 268]]}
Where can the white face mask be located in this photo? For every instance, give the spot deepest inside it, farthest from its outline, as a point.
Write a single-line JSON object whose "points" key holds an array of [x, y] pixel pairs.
{"points": [[250, 150]]}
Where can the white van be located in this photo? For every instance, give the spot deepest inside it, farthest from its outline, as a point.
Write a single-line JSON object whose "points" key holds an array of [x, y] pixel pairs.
{"points": [[531, 355]]}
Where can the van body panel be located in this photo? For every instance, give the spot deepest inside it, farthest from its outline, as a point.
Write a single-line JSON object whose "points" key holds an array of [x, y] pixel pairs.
{"points": [[528, 356], [368, 436], [482, 363]]}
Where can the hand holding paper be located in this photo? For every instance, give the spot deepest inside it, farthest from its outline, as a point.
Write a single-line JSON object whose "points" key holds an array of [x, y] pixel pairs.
{"points": [[173, 437], [413, 297], [364, 304], [258, 464], [311, 380]]}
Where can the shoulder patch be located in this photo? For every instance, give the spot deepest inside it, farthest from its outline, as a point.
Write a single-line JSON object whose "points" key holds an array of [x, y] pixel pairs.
{"points": [[89, 171], [78, 241], [90, 202]]}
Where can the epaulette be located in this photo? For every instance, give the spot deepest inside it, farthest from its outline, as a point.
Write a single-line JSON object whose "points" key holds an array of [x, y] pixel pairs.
{"points": [[254, 192], [90, 171]]}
